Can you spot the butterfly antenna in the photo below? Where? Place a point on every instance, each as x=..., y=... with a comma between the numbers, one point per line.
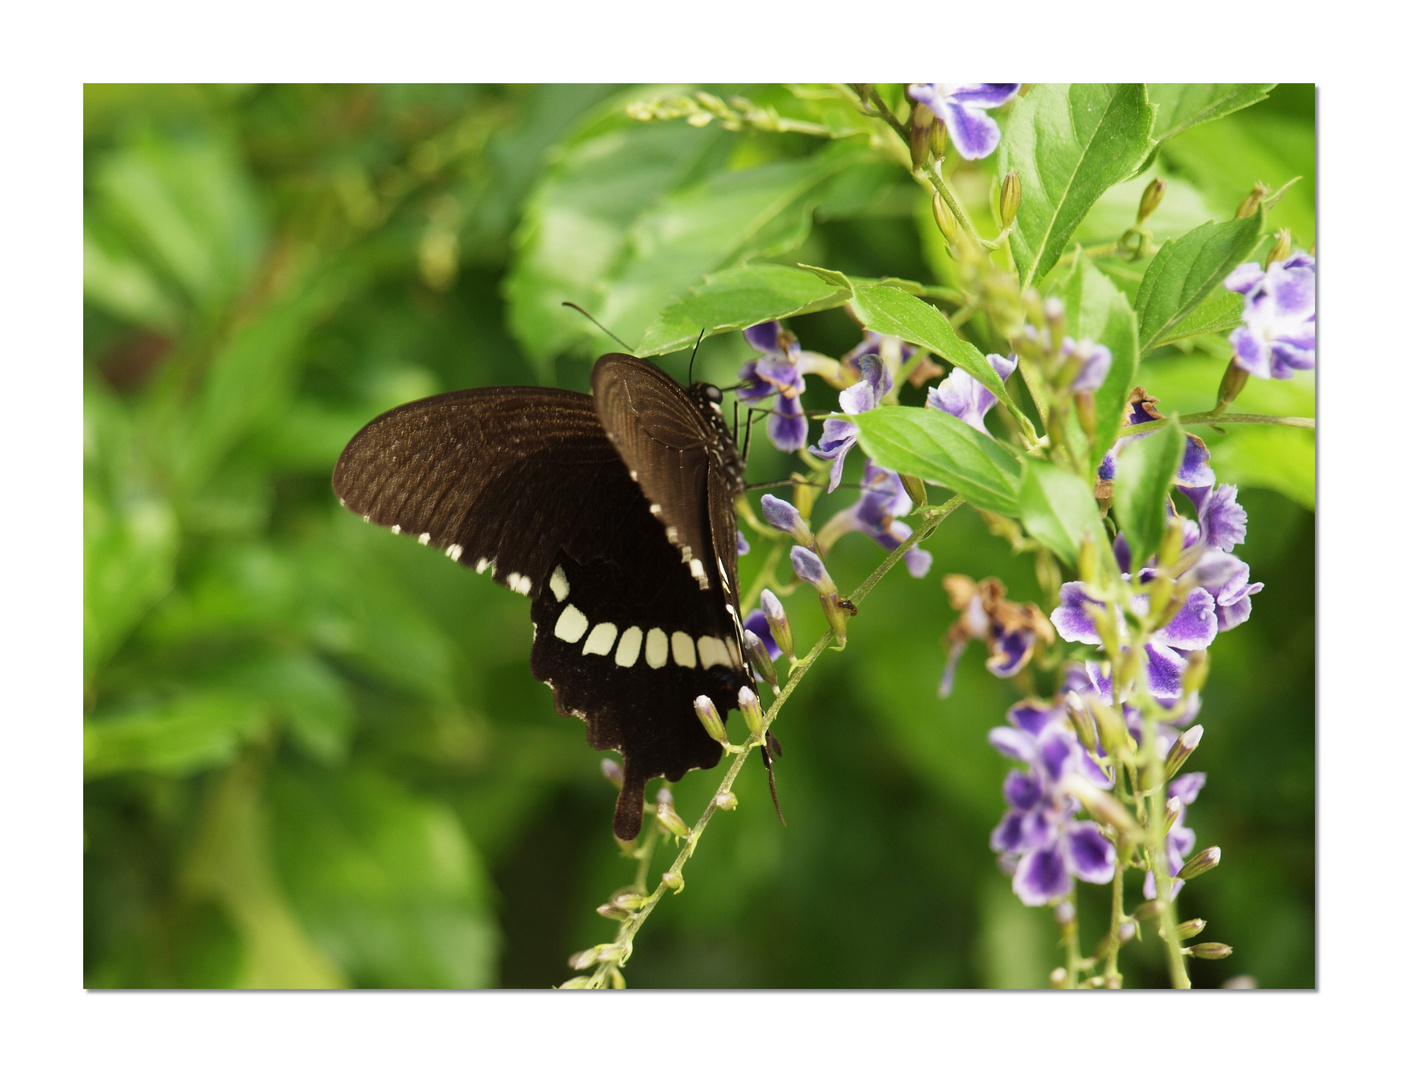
x=747, y=441
x=583, y=311
x=695, y=353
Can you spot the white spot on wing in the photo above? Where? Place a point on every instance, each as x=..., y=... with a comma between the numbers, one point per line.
x=712, y=652
x=454, y=551
x=695, y=567
x=520, y=583
x=600, y=639
x=561, y=588
x=655, y=509
x=735, y=651
x=722, y=573
x=629, y=649
x=395, y=529
x=484, y=564
x=656, y=648
x=672, y=533
x=366, y=517
x=424, y=538
x=684, y=655
x=571, y=624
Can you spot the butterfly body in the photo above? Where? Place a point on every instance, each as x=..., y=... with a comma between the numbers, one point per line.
x=614, y=514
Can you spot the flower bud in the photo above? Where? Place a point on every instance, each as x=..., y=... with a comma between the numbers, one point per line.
x=775, y=616
x=810, y=569
x=782, y=515
x=751, y=709
x=1112, y=728
x=712, y=722
x=942, y=214
x=1059, y=978
x=673, y=879
x=1064, y=915
x=1083, y=722
x=1252, y=201
x=725, y=800
x=612, y=910
x=667, y=817
x=1084, y=408
x=1152, y=909
x=920, y=128
x=1231, y=383
x=1197, y=668
x=1182, y=749
x=582, y=960
x=1100, y=804
x=913, y=485
x=1173, y=812
x=610, y=769
x=1088, y=560
x=1190, y=928
x=754, y=649
x=1010, y=198
x=939, y=139
x=1151, y=199
x=1280, y=251
x=580, y=982
x=1199, y=863
x=1210, y=950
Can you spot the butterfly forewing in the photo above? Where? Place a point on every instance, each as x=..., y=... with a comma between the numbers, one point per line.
x=614, y=515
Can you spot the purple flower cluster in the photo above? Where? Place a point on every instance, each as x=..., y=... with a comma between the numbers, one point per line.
x=1040, y=841
x=776, y=372
x=839, y=436
x=962, y=108
x=1280, y=335
x=1216, y=583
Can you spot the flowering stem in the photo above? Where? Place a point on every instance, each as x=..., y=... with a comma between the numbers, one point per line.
x=607, y=972
x=1156, y=851
x=1211, y=419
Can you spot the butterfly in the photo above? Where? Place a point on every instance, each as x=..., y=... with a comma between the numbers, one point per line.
x=614, y=514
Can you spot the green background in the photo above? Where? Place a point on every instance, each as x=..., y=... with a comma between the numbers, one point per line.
x=314, y=754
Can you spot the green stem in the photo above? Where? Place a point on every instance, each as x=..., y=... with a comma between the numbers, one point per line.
x=607, y=970
x=1209, y=418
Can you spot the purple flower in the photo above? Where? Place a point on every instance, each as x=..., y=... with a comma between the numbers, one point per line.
x=961, y=107
x=1094, y=361
x=1038, y=839
x=962, y=396
x=1010, y=630
x=756, y=622
x=883, y=500
x=1193, y=627
x=839, y=436
x=894, y=352
x=776, y=372
x=1280, y=333
x=1180, y=840
x=1194, y=472
x=742, y=546
x=1227, y=579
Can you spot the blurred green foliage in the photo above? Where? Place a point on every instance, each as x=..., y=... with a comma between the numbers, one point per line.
x=313, y=752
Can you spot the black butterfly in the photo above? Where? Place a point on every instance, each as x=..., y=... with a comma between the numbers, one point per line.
x=614, y=514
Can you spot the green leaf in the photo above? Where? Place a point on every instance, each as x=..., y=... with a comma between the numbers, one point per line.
x=633, y=216
x=736, y=298
x=1145, y=470
x=187, y=205
x=1187, y=270
x=943, y=450
x=888, y=310
x=1058, y=509
x=386, y=882
x=1219, y=312
x=1069, y=144
x=1097, y=309
x=195, y=731
x=1184, y=105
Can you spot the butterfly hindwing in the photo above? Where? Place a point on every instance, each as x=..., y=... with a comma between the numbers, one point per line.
x=535, y=487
